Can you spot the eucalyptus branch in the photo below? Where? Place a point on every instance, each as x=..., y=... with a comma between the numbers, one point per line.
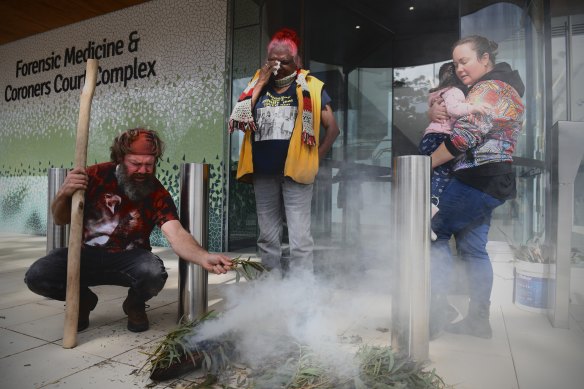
x=248, y=269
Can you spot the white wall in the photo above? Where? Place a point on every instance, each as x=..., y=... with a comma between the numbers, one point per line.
x=174, y=82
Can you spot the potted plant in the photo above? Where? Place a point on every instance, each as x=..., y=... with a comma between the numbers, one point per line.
x=531, y=275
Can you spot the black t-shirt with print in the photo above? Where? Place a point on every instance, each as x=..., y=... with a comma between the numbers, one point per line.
x=114, y=222
x=275, y=115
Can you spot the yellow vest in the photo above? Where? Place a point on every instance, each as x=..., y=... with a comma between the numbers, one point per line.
x=302, y=160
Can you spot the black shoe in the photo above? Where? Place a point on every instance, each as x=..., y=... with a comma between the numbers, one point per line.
x=451, y=313
x=441, y=314
x=473, y=326
x=136, y=311
x=476, y=323
x=87, y=303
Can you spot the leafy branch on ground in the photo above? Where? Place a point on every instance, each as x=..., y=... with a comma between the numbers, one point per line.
x=302, y=368
x=379, y=367
x=174, y=346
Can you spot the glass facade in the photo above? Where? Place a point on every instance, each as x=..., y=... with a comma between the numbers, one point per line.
x=519, y=33
x=567, y=56
x=247, y=52
x=378, y=62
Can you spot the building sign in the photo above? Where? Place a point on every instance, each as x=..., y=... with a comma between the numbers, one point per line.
x=71, y=57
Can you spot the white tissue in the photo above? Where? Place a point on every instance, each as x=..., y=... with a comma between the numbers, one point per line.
x=276, y=68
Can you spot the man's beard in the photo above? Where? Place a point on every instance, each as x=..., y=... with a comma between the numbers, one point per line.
x=134, y=189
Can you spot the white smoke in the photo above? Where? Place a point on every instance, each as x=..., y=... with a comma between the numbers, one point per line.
x=272, y=316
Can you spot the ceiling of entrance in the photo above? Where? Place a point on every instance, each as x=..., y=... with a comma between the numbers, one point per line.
x=23, y=18
x=383, y=33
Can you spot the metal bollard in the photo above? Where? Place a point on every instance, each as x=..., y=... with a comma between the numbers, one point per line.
x=564, y=154
x=411, y=293
x=194, y=216
x=57, y=236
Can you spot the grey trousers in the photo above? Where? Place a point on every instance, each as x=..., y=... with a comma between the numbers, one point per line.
x=280, y=199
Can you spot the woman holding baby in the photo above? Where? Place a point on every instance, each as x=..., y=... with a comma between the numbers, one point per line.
x=481, y=146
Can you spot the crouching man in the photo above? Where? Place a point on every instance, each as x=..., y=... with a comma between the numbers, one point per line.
x=123, y=203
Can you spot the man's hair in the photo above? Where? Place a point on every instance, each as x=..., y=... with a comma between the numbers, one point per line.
x=288, y=38
x=123, y=142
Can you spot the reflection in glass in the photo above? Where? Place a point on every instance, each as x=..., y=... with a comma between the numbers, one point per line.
x=520, y=40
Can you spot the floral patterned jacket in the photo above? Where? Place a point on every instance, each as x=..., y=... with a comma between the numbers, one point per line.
x=483, y=139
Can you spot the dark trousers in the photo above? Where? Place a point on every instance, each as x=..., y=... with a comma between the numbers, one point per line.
x=441, y=175
x=139, y=269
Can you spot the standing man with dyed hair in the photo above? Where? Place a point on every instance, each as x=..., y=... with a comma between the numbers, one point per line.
x=123, y=203
x=281, y=164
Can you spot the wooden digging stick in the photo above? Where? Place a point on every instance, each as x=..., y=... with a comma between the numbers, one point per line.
x=77, y=204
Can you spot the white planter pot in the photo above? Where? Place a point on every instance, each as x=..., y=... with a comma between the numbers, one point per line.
x=531, y=286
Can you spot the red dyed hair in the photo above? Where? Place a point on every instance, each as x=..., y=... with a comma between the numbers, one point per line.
x=286, y=37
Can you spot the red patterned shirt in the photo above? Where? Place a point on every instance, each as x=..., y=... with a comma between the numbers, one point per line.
x=116, y=223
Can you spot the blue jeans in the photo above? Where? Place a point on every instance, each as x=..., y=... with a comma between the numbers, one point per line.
x=465, y=213
x=138, y=269
x=280, y=198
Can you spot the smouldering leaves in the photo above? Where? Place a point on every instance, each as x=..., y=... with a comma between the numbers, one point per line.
x=378, y=368
x=299, y=367
x=173, y=347
x=309, y=372
x=381, y=368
